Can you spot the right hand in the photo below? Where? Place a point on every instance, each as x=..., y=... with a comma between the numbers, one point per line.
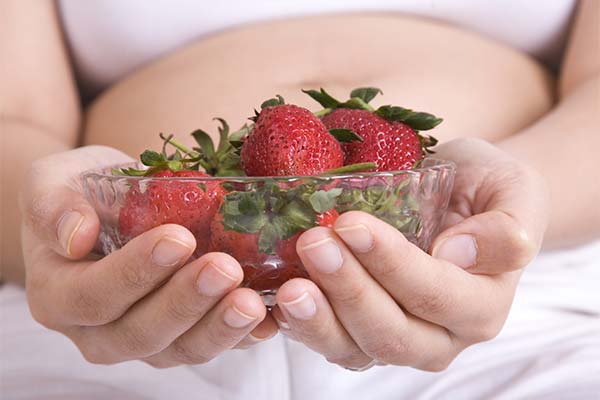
x=140, y=302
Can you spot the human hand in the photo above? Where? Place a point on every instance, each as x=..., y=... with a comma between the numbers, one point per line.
x=377, y=298
x=140, y=302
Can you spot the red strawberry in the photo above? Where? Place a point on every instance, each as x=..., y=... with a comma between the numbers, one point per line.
x=187, y=203
x=391, y=145
x=289, y=140
x=240, y=245
x=388, y=136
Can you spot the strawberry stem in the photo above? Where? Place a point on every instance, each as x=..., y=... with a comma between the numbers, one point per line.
x=365, y=166
x=178, y=145
x=323, y=112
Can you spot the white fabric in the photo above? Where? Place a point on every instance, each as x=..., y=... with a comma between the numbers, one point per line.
x=110, y=38
x=549, y=349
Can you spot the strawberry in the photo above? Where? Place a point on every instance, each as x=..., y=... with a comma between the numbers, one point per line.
x=388, y=136
x=391, y=145
x=191, y=203
x=186, y=203
x=240, y=245
x=289, y=140
x=260, y=229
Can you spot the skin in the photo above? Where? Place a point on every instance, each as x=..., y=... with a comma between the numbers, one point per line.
x=501, y=196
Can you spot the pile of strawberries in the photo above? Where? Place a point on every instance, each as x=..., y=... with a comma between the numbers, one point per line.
x=258, y=221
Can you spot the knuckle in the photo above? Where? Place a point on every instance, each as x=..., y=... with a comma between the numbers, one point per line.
x=349, y=294
x=136, y=278
x=183, y=354
x=386, y=268
x=388, y=351
x=436, y=301
x=519, y=248
x=437, y=365
x=87, y=309
x=486, y=332
x=93, y=350
x=94, y=356
x=221, y=336
x=134, y=341
x=179, y=310
x=40, y=316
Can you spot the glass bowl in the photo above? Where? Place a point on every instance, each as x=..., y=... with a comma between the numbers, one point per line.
x=257, y=220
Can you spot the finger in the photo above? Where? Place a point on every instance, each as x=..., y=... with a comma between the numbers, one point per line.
x=53, y=205
x=282, y=323
x=431, y=289
x=264, y=331
x=508, y=199
x=367, y=312
x=221, y=329
x=158, y=319
x=311, y=318
x=95, y=293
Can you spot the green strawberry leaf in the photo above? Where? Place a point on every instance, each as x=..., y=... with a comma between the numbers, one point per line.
x=324, y=200
x=356, y=103
x=272, y=102
x=298, y=216
x=151, y=158
x=322, y=97
x=224, y=172
x=236, y=139
x=366, y=94
x=175, y=165
x=251, y=205
x=223, y=135
x=345, y=135
x=205, y=142
x=129, y=172
x=365, y=166
x=245, y=223
x=394, y=113
x=267, y=239
x=177, y=156
x=422, y=121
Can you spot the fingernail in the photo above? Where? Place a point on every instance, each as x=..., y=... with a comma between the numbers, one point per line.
x=283, y=324
x=68, y=225
x=460, y=250
x=213, y=281
x=325, y=255
x=358, y=237
x=237, y=319
x=257, y=339
x=304, y=307
x=170, y=251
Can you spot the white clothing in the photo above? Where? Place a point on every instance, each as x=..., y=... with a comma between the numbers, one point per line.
x=549, y=349
x=111, y=38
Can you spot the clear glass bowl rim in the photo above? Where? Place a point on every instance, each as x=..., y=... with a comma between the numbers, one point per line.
x=437, y=165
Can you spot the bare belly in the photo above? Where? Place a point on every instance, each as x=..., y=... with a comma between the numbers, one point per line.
x=481, y=88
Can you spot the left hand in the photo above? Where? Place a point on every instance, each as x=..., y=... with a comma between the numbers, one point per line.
x=377, y=298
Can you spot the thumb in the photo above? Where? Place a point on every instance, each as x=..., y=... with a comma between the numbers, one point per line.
x=490, y=243
x=54, y=208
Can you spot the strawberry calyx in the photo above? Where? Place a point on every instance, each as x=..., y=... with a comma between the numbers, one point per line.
x=360, y=98
x=346, y=169
x=276, y=214
x=223, y=160
x=392, y=204
x=273, y=102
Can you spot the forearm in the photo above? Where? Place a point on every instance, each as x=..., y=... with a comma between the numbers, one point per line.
x=22, y=143
x=563, y=146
